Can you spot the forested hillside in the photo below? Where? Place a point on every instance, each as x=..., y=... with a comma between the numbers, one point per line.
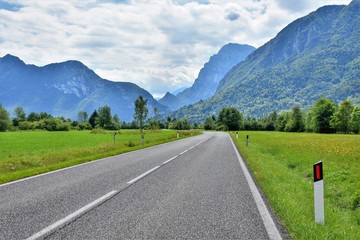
x=315, y=56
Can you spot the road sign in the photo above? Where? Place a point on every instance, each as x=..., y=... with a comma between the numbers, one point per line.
x=319, y=193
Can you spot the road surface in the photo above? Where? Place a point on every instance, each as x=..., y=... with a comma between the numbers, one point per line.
x=193, y=188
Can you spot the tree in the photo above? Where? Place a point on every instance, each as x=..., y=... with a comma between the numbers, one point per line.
x=93, y=119
x=82, y=117
x=141, y=111
x=270, y=121
x=44, y=115
x=116, y=124
x=182, y=124
x=155, y=124
x=282, y=120
x=355, y=119
x=230, y=118
x=321, y=114
x=209, y=124
x=20, y=116
x=5, y=122
x=341, y=120
x=296, y=121
x=104, y=117
x=33, y=117
x=156, y=112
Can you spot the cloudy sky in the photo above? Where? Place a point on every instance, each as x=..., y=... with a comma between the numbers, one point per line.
x=158, y=44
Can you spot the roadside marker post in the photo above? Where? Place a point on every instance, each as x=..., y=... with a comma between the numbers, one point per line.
x=319, y=193
x=237, y=135
x=114, y=134
x=247, y=140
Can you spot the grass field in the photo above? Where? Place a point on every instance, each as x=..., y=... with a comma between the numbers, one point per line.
x=282, y=164
x=28, y=153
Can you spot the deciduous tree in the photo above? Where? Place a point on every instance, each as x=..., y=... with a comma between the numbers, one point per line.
x=341, y=120
x=5, y=122
x=141, y=111
x=321, y=114
x=231, y=118
x=104, y=117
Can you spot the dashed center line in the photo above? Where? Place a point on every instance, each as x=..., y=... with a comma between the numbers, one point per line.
x=142, y=175
x=72, y=216
x=184, y=152
x=170, y=160
x=48, y=230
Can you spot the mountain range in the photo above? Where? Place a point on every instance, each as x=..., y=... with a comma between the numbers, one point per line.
x=315, y=56
x=206, y=83
x=64, y=89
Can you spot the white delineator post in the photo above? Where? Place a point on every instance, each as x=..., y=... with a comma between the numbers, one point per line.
x=319, y=193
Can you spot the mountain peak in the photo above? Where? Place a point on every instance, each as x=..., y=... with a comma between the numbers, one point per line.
x=214, y=70
x=10, y=59
x=64, y=89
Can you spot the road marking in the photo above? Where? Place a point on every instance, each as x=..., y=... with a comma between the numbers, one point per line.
x=91, y=162
x=170, y=160
x=264, y=212
x=183, y=152
x=142, y=175
x=72, y=216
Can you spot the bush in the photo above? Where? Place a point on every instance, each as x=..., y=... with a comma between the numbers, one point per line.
x=26, y=125
x=222, y=128
x=130, y=144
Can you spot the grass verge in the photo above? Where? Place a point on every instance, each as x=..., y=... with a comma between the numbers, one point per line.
x=282, y=164
x=24, y=154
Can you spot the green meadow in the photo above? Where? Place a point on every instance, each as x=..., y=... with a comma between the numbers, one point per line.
x=28, y=153
x=282, y=164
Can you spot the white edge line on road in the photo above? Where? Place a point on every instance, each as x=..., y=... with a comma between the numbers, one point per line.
x=142, y=175
x=91, y=162
x=264, y=212
x=72, y=216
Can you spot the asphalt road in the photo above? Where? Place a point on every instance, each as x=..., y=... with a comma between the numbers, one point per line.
x=193, y=188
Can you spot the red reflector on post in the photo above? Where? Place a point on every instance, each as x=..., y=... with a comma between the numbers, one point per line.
x=318, y=172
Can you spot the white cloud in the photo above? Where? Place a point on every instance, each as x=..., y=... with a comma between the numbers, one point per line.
x=160, y=45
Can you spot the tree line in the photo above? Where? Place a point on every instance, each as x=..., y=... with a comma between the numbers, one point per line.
x=100, y=118
x=323, y=117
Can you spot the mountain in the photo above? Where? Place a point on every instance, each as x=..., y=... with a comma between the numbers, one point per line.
x=177, y=91
x=210, y=75
x=315, y=56
x=64, y=89
x=171, y=101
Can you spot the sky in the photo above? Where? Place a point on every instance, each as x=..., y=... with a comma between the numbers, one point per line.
x=160, y=45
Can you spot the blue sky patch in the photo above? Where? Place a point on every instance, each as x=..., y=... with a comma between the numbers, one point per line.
x=9, y=7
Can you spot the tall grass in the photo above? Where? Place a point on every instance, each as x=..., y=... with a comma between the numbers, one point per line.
x=28, y=153
x=282, y=164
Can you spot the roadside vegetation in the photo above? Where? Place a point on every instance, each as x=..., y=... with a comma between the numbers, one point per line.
x=323, y=117
x=280, y=156
x=38, y=142
x=282, y=165
x=27, y=153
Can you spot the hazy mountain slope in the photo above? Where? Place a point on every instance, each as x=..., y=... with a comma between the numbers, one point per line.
x=210, y=75
x=315, y=56
x=171, y=101
x=64, y=89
